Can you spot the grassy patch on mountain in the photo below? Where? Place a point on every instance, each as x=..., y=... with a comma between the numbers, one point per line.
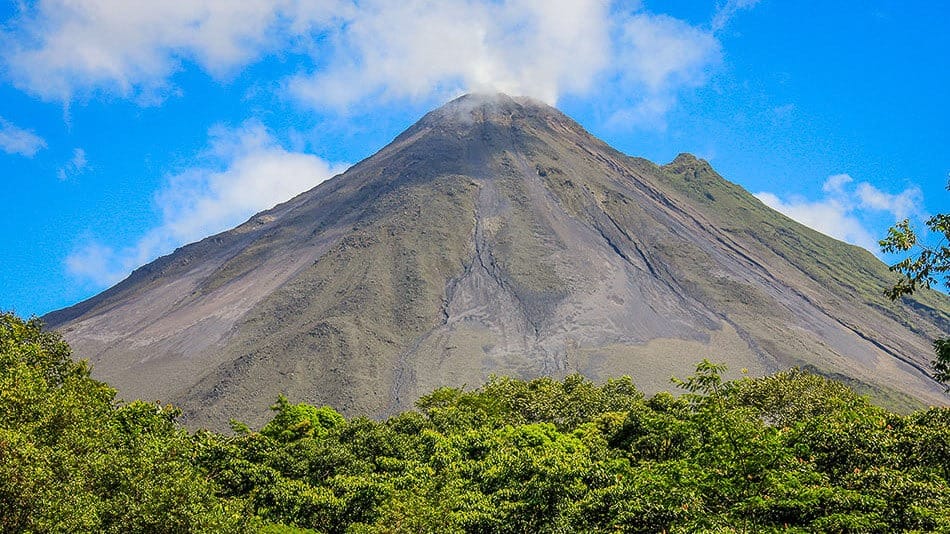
x=851, y=270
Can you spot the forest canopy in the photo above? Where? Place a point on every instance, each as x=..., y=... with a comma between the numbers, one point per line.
x=790, y=452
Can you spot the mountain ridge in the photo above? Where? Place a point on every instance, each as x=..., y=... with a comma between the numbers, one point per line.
x=497, y=235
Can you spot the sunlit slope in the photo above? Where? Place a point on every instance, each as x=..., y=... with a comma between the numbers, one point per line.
x=496, y=236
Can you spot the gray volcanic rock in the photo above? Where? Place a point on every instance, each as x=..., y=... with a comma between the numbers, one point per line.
x=497, y=236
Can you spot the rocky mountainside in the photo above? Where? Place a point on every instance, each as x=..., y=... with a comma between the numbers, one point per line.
x=497, y=236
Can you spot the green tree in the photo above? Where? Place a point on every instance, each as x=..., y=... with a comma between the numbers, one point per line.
x=791, y=452
x=73, y=459
x=296, y=421
x=928, y=265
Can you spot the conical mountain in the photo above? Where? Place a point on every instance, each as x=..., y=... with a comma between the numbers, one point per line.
x=497, y=236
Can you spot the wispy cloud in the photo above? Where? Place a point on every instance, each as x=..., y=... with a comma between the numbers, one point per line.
x=74, y=166
x=16, y=140
x=838, y=213
x=368, y=52
x=727, y=10
x=783, y=116
x=96, y=264
x=243, y=171
x=657, y=57
x=901, y=205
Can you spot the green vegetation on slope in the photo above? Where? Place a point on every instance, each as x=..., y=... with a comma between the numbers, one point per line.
x=790, y=452
x=829, y=262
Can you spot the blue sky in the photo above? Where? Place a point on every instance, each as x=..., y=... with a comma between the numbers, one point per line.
x=130, y=128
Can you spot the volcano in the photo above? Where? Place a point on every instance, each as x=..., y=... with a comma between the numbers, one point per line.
x=497, y=236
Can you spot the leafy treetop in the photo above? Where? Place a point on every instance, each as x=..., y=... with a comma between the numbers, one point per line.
x=927, y=266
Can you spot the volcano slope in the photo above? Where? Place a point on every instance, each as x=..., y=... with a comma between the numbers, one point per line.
x=497, y=236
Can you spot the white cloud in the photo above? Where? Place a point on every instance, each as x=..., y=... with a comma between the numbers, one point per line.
x=75, y=165
x=15, y=140
x=835, y=184
x=364, y=52
x=411, y=49
x=840, y=213
x=59, y=47
x=250, y=172
x=537, y=48
x=245, y=171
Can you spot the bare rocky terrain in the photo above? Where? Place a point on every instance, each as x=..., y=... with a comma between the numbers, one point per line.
x=497, y=236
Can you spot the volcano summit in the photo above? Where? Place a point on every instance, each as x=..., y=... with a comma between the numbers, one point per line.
x=497, y=236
